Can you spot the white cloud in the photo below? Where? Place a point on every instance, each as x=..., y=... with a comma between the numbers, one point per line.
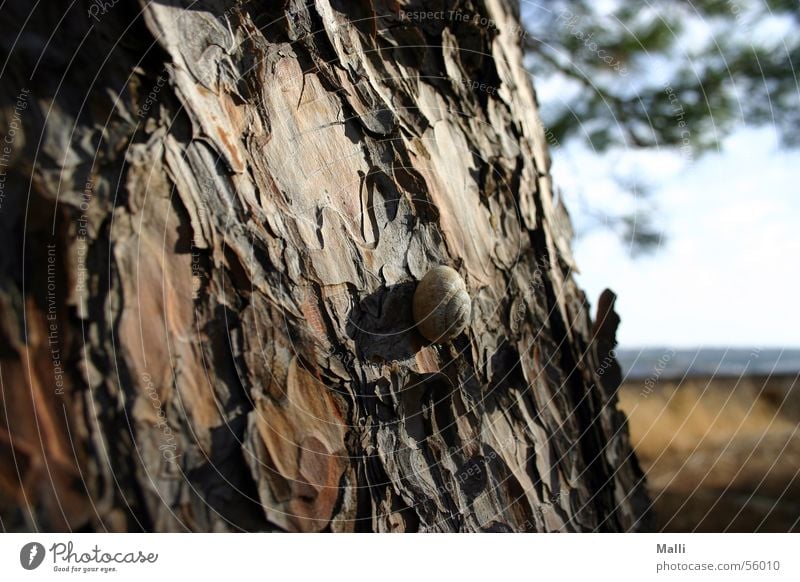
x=729, y=274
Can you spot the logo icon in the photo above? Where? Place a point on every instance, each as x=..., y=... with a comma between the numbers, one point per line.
x=31, y=555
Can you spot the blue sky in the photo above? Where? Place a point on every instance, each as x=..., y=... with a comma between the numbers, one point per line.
x=729, y=273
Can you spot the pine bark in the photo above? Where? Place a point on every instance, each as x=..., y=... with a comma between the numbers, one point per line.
x=214, y=218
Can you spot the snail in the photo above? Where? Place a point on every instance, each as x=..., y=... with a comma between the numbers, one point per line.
x=441, y=304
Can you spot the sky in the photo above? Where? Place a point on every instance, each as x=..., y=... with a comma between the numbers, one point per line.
x=728, y=273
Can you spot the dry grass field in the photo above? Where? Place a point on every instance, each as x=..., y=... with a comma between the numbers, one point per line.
x=721, y=453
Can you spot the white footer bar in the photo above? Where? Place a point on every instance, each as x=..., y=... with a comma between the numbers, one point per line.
x=398, y=557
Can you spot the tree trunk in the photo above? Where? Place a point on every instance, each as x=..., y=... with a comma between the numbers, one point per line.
x=213, y=221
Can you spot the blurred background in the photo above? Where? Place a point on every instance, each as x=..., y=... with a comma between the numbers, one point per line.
x=673, y=127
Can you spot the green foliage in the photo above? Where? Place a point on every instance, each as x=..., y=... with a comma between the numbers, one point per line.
x=674, y=74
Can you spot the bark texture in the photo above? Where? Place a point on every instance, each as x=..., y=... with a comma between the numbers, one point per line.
x=214, y=218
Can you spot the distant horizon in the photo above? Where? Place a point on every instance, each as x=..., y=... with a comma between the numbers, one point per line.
x=706, y=347
x=671, y=362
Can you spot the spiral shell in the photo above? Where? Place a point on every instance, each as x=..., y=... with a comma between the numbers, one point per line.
x=442, y=306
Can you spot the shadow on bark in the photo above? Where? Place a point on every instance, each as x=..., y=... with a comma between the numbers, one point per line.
x=382, y=325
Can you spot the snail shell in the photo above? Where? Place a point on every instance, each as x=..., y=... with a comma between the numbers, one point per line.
x=442, y=306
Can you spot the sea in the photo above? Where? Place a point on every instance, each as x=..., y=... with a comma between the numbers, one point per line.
x=669, y=363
